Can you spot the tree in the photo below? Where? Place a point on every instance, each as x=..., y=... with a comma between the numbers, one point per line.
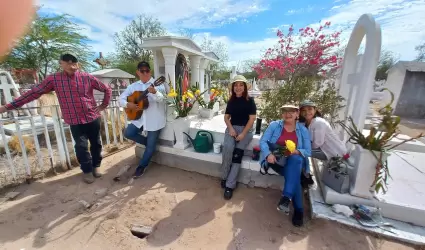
x=421, y=52
x=128, y=66
x=315, y=53
x=247, y=68
x=48, y=37
x=386, y=61
x=220, y=49
x=128, y=42
x=304, y=65
x=188, y=33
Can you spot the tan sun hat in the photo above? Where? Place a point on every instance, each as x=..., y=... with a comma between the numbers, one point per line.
x=239, y=78
x=289, y=106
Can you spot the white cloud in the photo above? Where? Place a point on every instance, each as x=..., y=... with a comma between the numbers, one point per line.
x=402, y=22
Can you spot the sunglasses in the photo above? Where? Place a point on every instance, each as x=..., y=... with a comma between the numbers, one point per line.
x=289, y=110
x=144, y=71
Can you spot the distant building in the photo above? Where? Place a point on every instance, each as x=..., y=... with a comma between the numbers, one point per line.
x=407, y=81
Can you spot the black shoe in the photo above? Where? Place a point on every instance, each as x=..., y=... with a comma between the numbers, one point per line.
x=228, y=193
x=139, y=172
x=223, y=183
x=306, y=181
x=284, y=205
x=298, y=219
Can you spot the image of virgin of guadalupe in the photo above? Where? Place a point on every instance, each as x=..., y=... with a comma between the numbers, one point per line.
x=182, y=72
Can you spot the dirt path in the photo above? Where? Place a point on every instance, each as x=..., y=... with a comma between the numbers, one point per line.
x=187, y=210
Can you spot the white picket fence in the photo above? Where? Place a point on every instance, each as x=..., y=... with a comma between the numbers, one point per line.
x=14, y=165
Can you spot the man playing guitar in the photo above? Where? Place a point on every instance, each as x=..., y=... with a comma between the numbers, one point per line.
x=153, y=118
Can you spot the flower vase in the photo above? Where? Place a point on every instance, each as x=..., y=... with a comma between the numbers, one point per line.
x=206, y=113
x=180, y=125
x=195, y=109
x=171, y=113
x=363, y=174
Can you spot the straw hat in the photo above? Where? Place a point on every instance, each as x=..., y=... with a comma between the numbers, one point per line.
x=289, y=106
x=240, y=78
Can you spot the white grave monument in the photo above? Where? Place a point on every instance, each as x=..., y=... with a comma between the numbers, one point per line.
x=403, y=202
x=165, y=52
x=358, y=72
x=8, y=86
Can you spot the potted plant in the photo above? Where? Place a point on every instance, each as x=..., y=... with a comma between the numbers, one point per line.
x=207, y=108
x=371, y=170
x=182, y=103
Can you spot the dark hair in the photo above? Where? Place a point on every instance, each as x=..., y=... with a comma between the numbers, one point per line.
x=244, y=94
x=316, y=114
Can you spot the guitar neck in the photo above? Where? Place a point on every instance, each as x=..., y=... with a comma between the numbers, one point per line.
x=144, y=93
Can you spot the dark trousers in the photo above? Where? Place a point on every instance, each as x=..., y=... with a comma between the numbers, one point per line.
x=82, y=134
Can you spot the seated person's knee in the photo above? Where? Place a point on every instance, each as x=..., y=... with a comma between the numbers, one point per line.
x=296, y=158
x=237, y=155
x=129, y=133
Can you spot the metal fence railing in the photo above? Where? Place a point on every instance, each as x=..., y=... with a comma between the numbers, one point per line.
x=36, y=144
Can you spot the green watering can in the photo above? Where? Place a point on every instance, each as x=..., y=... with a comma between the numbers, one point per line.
x=203, y=141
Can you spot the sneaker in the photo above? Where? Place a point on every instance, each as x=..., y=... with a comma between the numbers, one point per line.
x=223, y=183
x=298, y=219
x=284, y=205
x=96, y=173
x=139, y=172
x=88, y=178
x=228, y=193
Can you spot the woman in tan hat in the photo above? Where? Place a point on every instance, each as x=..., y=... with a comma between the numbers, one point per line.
x=286, y=133
x=239, y=118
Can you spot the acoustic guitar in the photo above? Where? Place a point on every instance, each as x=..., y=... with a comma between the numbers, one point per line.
x=140, y=98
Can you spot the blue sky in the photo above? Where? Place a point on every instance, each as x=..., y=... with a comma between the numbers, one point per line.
x=248, y=27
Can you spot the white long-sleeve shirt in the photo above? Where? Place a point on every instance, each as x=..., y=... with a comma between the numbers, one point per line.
x=324, y=137
x=154, y=117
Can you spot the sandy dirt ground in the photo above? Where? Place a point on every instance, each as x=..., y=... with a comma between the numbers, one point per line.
x=186, y=210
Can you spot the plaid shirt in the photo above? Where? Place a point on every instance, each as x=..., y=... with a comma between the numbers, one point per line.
x=75, y=96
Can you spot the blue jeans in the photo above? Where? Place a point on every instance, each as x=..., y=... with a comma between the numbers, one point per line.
x=292, y=188
x=133, y=133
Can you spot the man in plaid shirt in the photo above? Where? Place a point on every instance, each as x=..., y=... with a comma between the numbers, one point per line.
x=74, y=90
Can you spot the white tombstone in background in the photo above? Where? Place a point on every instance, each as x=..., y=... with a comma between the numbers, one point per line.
x=356, y=85
x=7, y=85
x=254, y=85
x=233, y=73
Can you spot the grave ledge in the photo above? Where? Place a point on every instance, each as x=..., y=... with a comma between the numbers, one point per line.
x=210, y=164
x=403, y=231
x=402, y=216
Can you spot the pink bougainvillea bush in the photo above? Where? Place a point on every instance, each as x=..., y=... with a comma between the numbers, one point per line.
x=304, y=60
x=309, y=52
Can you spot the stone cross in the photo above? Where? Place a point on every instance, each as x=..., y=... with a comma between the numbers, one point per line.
x=359, y=71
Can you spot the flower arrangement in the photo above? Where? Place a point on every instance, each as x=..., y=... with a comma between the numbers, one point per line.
x=182, y=101
x=377, y=141
x=215, y=94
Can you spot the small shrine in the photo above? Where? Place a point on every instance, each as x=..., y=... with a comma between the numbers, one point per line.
x=170, y=55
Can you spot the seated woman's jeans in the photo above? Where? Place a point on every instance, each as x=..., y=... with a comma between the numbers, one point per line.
x=292, y=172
